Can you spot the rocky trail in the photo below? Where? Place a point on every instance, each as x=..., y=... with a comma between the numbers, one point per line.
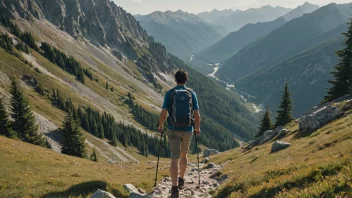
x=210, y=179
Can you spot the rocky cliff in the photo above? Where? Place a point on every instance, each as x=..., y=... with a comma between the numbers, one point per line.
x=100, y=21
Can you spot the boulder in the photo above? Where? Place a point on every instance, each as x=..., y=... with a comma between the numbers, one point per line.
x=205, y=160
x=223, y=178
x=139, y=195
x=102, y=194
x=135, y=193
x=269, y=135
x=130, y=188
x=322, y=116
x=212, y=165
x=279, y=145
x=210, y=152
x=347, y=106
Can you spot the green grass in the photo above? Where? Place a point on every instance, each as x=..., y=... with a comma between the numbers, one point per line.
x=315, y=166
x=32, y=171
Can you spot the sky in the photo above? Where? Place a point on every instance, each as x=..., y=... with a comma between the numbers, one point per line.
x=197, y=6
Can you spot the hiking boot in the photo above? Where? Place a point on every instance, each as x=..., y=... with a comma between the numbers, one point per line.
x=174, y=192
x=181, y=183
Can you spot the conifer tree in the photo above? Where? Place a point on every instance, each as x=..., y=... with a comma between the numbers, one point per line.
x=101, y=131
x=114, y=137
x=24, y=120
x=107, y=85
x=342, y=83
x=73, y=139
x=93, y=156
x=284, y=114
x=4, y=119
x=266, y=123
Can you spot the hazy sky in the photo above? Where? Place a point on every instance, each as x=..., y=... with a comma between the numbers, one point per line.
x=196, y=6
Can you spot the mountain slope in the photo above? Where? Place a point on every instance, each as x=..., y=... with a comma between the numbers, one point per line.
x=110, y=73
x=182, y=33
x=239, y=19
x=224, y=49
x=293, y=37
x=293, y=172
x=307, y=74
x=300, y=11
x=215, y=14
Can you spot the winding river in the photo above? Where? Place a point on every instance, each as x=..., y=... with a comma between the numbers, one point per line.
x=228, y=86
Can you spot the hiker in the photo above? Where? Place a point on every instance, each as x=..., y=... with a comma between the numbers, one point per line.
x=182, y=106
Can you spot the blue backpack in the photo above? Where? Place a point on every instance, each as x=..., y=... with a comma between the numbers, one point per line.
x=181, y=108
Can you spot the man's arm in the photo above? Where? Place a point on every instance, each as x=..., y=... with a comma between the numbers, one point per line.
x=162, y=119
x=197, y=121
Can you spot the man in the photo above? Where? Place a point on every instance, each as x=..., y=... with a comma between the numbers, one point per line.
x=182, y=105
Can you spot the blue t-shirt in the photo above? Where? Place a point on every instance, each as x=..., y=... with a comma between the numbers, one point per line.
x=166, y=105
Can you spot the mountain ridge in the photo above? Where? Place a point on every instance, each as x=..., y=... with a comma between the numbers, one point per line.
x=182, y=33
x=264, y=14
x=265, y=52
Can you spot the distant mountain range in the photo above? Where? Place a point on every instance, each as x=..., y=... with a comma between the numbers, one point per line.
x=307, y=74
x=182, y=33
x=224, y=49
x=300, y=52
x=239, y=19
x=215, y=14
x=300, y=11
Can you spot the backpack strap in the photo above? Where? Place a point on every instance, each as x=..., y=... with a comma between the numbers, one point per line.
x=171, y=99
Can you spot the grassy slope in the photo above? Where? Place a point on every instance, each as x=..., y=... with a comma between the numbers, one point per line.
x=312, y=167
x=32, y=171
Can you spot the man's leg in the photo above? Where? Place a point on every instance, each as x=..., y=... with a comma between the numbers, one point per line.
x=183, y=164
x=186, y=139
x=175, y=145
x=174, y=171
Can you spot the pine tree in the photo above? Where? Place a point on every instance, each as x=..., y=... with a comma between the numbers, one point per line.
x=266, y=123
x=93, y=156
x=107, y=85
x=342, y=84
x=284, y=114
x=24, y=120
x=73, y=139
x=4, y=119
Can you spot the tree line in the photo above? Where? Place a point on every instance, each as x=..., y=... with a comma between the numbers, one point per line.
x=144, y=117
x=103, y=125
x=27, y=41
x=67, y=63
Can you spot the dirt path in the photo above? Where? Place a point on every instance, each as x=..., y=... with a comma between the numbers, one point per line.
x=209, y=182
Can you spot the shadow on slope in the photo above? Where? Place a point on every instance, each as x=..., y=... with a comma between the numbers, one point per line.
x=84, y=189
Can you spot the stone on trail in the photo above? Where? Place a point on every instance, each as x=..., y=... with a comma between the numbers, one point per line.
x=102, y=194
x=130, y=188
x=205, y=160
x=212, y=165
x=279, y=145
x=138, y=195
x=191, y=189
x=210, y=152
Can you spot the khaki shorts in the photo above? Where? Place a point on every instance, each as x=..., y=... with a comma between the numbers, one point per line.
x=179, y=142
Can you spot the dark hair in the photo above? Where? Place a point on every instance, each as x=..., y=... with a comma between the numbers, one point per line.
x=181, y=76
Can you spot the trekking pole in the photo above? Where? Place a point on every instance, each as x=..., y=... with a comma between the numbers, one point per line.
x=197, y=138
x=157, y=166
